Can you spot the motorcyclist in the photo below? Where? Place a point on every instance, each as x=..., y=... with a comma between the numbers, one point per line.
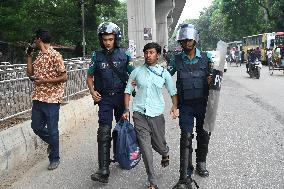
x=237, y=55
x=251, y=55
x=251, y=58
x=257, y=53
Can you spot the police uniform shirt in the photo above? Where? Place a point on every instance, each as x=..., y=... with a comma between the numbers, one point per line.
x=186, y=60
x=92, y=68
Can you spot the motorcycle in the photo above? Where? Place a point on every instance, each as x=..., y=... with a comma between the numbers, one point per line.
x=254, y=69
x=234, y=59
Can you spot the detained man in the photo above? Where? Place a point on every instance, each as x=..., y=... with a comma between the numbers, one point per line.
x=148, y=107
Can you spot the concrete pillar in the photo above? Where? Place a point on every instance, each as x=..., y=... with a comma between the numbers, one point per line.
x=163, y=8
x=175, y=13
x=170, y=21
x=154, y=15
x=141, y=14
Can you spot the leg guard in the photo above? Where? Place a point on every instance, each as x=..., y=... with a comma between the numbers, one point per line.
x=185, y=161
x=185, y=154
x=202, y=138
x=104, y=145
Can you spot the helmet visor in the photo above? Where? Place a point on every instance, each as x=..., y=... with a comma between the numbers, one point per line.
x=187, y=33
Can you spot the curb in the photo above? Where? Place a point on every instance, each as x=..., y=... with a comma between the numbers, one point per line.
x=19, y=143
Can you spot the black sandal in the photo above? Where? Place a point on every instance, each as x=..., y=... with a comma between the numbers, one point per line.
x=165, y=161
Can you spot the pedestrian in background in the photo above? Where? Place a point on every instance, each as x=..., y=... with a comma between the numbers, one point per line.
x=165, y=52
x=106, y=80
x=48, y=75
x=242, y=57
x=148, y=107
x=194, y=70
x=268, y=56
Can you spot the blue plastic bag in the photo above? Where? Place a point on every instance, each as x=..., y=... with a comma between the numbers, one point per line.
x=125, y=146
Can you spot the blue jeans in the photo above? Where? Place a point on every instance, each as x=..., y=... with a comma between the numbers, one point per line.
x=45, y=117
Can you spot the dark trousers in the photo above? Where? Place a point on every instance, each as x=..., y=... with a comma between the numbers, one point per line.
x=186, y=122
x=108, y=106
x=45, y=117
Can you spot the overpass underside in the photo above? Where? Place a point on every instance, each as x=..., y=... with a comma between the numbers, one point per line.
x=152, y=21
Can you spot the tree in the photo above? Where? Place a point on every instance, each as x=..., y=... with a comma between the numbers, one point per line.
x=260, y=15
x=20, y=18
x=230, y=20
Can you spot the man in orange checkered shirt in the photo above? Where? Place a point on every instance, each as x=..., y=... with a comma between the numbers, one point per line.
x=48, y=75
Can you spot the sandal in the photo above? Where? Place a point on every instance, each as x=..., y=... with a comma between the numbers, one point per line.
x=165, y=161
x=153, y=187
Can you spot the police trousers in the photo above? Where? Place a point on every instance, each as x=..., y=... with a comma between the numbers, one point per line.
x=186, y=122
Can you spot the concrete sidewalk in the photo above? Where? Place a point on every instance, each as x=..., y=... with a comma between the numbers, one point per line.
x=19, y=146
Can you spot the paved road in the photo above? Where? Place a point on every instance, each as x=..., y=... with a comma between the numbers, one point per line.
x=246, y=148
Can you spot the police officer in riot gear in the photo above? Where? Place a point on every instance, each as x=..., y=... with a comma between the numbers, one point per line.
x=106, y=81
x=194, y=70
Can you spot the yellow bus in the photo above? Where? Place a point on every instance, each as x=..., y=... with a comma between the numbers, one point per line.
x=263, y=41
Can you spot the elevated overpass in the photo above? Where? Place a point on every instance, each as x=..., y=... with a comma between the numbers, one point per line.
x=152, y=21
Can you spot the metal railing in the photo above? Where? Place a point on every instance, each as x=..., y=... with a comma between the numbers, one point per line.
x=15, y=71
x=16, y=88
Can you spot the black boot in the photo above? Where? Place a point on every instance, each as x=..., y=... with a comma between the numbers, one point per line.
x=185, y=161
x=202, y=138
x=104, y=144
x=201, y=169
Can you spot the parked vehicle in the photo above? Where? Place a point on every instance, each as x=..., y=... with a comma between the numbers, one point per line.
x=277, y=59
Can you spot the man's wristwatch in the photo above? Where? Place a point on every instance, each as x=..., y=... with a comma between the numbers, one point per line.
x=126, y=110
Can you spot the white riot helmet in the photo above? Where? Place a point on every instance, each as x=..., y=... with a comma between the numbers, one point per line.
x=187, y=31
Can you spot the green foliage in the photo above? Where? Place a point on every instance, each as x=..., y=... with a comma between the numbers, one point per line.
x=230, y=20
x=121, y=20
x=20, y=18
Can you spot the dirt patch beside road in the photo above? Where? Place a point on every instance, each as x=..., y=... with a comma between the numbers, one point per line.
x=14, y=121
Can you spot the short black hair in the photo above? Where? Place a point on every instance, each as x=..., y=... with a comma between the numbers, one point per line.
x=153, y=45
x=44, y=35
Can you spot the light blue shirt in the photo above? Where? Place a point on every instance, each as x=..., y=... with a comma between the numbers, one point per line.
x=149, y=99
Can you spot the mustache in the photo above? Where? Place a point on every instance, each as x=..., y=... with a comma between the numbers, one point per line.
x=188, y=49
